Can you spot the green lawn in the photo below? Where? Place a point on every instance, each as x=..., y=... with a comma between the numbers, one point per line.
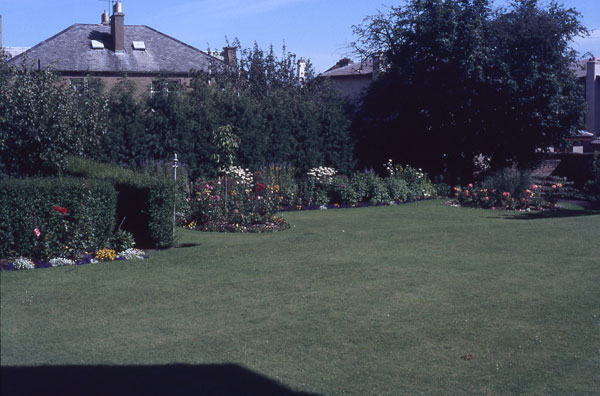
x=375, y=301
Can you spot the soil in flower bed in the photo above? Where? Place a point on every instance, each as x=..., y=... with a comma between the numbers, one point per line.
x=278, y=224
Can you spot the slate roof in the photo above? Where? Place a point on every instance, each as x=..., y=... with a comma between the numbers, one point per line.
x=353, y=69
x=14, y=51
x=71, y=51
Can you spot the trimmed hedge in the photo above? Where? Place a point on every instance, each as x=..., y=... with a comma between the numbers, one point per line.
x=71, y=215
x=144, y=201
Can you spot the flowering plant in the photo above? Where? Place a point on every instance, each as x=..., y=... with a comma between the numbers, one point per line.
x=235, y=202
x=106, y=255
x=532, y=198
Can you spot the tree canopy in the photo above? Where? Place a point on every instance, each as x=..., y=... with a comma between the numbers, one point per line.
x=462, y=81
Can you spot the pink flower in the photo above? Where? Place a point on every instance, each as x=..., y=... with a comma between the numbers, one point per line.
x=37, y=232
x=218, y=197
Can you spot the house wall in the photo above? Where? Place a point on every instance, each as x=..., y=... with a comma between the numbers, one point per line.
x=142, y=83
x=592, y=96
x=351, y=87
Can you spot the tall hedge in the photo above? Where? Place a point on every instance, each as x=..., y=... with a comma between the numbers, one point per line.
x=144, y=204
x=70, y=215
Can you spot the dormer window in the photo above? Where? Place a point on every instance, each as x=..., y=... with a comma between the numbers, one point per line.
x=139, y=46
x=97, y=44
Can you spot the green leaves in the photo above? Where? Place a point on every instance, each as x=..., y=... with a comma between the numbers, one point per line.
x=465, y=82
x=44, y=120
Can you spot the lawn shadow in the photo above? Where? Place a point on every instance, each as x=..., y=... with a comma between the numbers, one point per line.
x=554, y=214
x=187, y=245
x=179, y=379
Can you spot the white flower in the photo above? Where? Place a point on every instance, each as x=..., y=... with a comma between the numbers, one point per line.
x=23, y=263
x=130, y=254
x=60, y=261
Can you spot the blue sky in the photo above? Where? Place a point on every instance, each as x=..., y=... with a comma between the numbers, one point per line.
x=315, y=29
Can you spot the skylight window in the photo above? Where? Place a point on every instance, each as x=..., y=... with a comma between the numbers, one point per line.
x=139, y=46
x=97, y=44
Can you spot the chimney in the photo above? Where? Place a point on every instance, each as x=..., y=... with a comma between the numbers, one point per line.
x=344, y=62
x=301, y=70
x=230, y=56
x=105, y=18
x=592, y=93
x=117, y=28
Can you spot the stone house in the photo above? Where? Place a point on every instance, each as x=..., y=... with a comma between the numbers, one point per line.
x=350, y=78
x=588, y=77
x=111, y=50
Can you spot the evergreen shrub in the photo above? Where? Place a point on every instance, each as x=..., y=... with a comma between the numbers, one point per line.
x=144, y=201
x=55, y=217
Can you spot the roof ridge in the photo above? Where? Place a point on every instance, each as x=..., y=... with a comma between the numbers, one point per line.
x=179, y=41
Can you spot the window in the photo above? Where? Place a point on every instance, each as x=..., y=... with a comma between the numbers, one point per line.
x=139, y=46
x=82, y=85
x=165, y=86
x=77, y=84
x=97, y=44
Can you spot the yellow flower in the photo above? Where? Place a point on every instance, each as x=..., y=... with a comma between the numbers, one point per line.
x=106, y=255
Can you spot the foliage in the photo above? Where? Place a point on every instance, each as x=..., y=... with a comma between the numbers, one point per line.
x=460, y=81
x=592, y=186
x=514, y=181
x=145, y=202
x=122, y=240
x=42, y=121
x=260, y=109
x=55, y=217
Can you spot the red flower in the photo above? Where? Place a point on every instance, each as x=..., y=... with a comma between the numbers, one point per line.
x=63, y=210
x=56, y=208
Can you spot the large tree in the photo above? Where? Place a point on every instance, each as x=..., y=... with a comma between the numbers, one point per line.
x=462, y=81
x=43, y=120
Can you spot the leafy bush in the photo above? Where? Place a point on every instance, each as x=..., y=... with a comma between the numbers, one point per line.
x=55, y=217
x=145, y=202
x=514, y=181
x=418, y=182
x=43, y=121
x=122, y=240
x=368, y=187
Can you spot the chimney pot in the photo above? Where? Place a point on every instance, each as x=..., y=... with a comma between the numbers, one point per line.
x=117, y=7
x=105, y=18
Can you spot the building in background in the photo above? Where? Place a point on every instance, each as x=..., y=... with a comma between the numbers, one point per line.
x=111, y=50
x=350, y=78
x=588, y=76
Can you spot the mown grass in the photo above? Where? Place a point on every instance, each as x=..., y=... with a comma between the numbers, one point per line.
x=378, y=301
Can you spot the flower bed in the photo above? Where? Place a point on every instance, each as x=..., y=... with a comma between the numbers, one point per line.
x=533, y=198
x=22, y=263
x=242, y=201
